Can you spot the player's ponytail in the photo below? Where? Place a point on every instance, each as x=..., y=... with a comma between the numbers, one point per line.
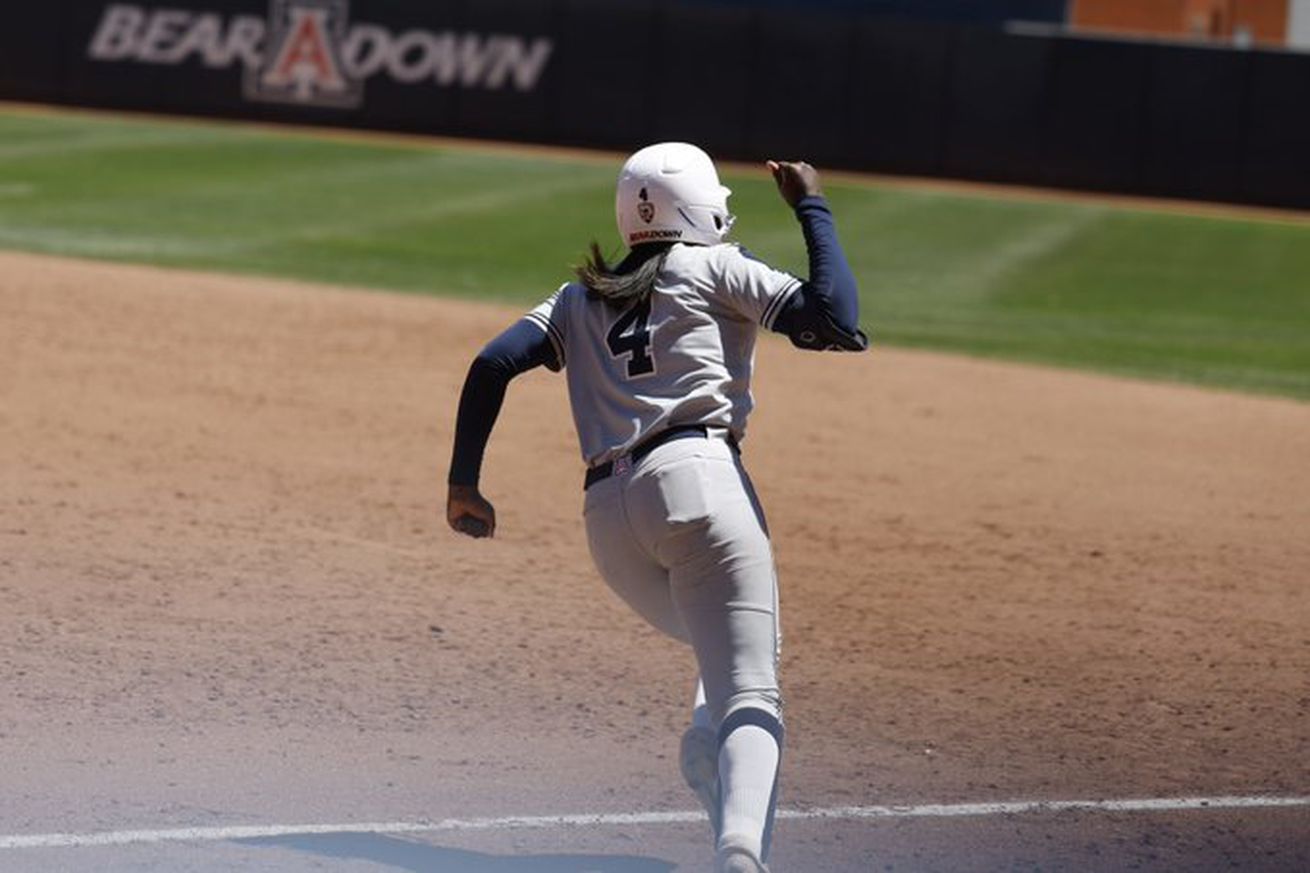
x=629, y=281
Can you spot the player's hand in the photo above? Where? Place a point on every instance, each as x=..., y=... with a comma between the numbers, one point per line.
x=469, y=513
x=796, y=180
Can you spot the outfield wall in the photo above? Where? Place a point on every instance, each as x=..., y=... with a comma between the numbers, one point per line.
x=915, y=97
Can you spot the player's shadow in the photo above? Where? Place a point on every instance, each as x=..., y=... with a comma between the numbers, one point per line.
x=409, y=854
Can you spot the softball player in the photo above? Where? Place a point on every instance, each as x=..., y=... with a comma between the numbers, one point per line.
x=658, y=350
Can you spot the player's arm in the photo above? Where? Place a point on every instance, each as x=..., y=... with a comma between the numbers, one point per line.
x=824, y=313
x=520, y=348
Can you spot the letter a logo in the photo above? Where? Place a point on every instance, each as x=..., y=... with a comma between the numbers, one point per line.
x=304, y=63
x=302, y=59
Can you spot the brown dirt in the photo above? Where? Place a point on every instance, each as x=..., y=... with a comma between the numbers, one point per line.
x=226, y=588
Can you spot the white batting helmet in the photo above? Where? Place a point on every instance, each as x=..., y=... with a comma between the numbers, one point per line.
x=670, y=192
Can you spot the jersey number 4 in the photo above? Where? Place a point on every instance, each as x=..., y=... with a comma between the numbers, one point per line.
x=630, y=336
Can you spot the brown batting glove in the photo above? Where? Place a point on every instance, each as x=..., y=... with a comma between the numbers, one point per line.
x=469, y=513
x=796, y=180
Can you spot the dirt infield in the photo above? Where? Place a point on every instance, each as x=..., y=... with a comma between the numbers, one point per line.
x=228, y=593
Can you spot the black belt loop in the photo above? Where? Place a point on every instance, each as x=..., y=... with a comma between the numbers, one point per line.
x=605, y=470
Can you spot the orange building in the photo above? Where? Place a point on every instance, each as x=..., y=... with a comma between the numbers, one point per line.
x=1246, y=22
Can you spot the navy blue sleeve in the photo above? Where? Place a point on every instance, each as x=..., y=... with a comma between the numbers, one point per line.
x=825, y=312
x=520, y=348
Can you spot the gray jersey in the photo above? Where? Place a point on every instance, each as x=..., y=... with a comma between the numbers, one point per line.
x=682, y=358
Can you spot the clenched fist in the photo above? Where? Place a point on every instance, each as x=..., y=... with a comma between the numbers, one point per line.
x=796, y=180
x=468, y=512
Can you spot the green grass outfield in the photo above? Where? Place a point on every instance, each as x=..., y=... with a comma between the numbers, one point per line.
x=1222, y=301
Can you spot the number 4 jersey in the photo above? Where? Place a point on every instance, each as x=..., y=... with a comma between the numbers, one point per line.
x=682, y=357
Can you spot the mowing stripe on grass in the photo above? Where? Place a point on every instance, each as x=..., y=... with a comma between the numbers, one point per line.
x=1218, y=301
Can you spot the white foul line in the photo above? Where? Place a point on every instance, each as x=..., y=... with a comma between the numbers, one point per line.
x=836, y=813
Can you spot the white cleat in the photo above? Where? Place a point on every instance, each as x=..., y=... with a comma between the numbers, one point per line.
x=735, y=859
x=700, y=768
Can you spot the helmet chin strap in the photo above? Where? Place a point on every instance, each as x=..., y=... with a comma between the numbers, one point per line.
x=722, y=221
x=723, y=224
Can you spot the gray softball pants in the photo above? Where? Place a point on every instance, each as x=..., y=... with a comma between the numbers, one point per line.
x=681, y=538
